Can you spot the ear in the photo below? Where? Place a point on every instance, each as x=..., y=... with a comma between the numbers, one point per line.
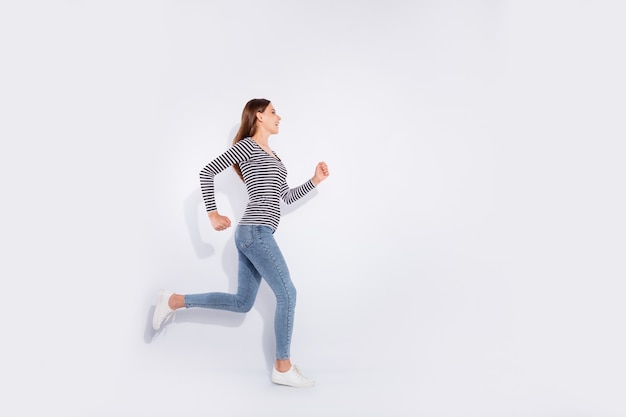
x=259, y=116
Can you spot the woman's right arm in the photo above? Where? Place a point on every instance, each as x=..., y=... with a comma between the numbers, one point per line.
x=238, y=153
x=218, y=221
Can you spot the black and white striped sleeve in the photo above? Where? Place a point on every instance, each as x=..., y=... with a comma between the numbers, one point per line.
x=238, y=153
x=290, y=195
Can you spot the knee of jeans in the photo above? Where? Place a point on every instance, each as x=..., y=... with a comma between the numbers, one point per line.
x=245, y=306
x=291, y=294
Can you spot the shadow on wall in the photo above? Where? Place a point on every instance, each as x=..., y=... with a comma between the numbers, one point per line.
x=232, y=187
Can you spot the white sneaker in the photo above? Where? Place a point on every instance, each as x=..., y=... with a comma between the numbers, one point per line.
x=162, y=311
x=292, y=378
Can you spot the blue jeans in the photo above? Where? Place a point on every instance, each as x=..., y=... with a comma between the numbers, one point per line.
x=259, y=256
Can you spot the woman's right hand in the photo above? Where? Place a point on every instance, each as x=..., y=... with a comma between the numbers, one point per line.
x=218, y=221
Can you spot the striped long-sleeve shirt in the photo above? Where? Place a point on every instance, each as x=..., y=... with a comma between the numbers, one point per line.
x=265, y=178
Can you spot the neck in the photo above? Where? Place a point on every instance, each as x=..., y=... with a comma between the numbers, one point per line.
x=261, y=136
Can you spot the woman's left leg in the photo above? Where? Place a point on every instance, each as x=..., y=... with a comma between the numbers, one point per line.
x=269, y=261
x=267, y=258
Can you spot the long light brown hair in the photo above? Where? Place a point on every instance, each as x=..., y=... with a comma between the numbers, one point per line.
x=248, y=123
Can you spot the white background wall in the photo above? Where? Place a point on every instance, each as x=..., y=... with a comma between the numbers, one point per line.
x=465, y=258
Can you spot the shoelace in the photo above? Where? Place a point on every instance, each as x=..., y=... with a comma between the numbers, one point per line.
x=296, y=371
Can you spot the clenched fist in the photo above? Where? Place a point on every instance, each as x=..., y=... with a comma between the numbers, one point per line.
x=321, y=173
x=218, y=221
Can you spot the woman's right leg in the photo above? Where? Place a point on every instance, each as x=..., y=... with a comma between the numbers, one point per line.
x=249, y=280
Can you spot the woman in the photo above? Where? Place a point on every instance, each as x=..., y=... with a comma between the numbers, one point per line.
x=259, y=256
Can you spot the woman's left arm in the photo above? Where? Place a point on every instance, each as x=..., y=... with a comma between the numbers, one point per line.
x=290, y=195
x=321, y=173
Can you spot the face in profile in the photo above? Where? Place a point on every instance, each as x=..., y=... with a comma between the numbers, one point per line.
x=269, y=119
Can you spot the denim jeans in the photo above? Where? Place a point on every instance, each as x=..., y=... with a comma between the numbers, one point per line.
x=259, y=256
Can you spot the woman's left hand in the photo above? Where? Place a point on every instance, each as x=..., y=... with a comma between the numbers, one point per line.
x=321, y=173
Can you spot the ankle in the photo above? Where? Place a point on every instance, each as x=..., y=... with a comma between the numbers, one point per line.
x=282, y=365
x=176, y=301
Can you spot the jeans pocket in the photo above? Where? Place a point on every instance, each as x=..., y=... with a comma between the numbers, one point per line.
x=244, y=237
